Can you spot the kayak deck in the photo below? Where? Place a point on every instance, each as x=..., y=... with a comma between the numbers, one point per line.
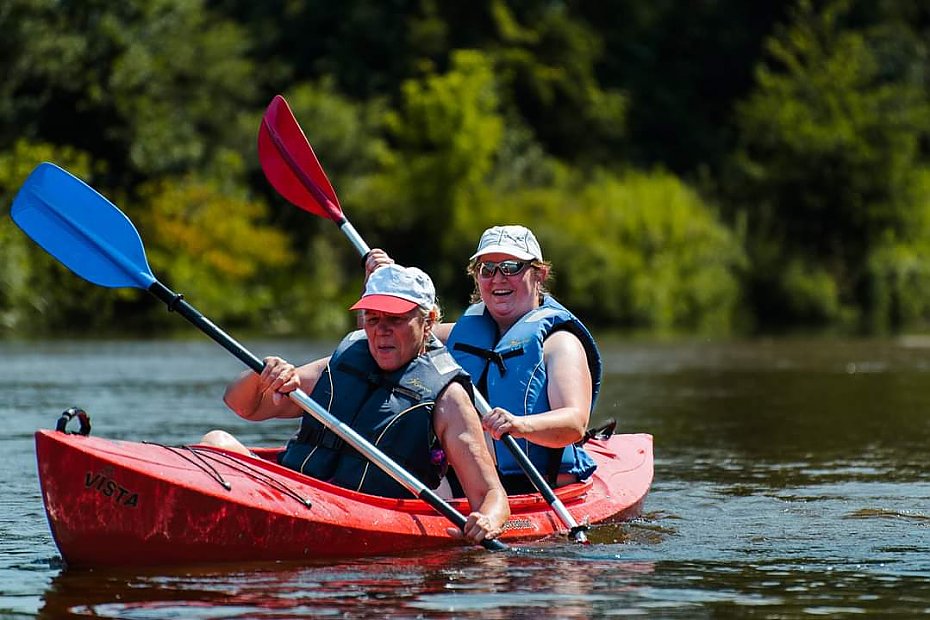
x=122, y=503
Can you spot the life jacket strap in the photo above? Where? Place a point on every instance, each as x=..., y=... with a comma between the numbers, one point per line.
x=377, y=380
x=489, y=355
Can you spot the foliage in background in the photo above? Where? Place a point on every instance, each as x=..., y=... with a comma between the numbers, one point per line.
x=212, y=246
x=444, y=136
x=702, y=168
x=150, y=87
x=36, y=291
x=830, y=168
x=641, y=251
x=682, y=68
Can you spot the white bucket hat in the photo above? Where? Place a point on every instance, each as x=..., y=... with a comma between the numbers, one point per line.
x=518, y=241
x=397, y=290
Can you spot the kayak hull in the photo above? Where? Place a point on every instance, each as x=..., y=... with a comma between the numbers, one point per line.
x=122, y=503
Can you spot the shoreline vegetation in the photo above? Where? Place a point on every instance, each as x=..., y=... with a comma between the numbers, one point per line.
x=723, y=171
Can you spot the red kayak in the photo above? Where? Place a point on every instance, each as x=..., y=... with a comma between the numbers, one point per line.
x=122, y=503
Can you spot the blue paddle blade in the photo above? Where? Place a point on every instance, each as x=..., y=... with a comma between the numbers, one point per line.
x=81, y=228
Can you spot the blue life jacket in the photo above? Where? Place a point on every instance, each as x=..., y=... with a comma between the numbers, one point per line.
x=392, y=410
x=511, y=371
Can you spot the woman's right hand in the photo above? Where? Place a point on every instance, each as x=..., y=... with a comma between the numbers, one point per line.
x=376, y=258
x=499, y=421
x=278, y=378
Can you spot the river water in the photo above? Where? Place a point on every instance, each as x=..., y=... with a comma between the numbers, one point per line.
x=791, y=480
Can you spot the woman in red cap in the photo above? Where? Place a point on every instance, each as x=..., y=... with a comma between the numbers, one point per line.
x=394, y=384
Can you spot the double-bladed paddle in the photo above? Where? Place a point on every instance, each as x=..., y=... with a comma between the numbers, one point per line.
x=90, y=236
x=293, y=169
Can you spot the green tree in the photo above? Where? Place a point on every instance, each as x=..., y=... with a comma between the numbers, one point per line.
x=37, y=294
x=369, y=48
x=151, y=92
x=544, y=57
x=682, y=67
x=546, y=60
x=151, y=87
x=829, y=167
x=445, y=138
x=211, y=244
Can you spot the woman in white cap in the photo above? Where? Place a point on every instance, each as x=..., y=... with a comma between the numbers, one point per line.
x=534, y=360
x=395, y=385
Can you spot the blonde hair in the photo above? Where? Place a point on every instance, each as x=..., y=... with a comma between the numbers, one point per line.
x=472, y=270
x=433, y=315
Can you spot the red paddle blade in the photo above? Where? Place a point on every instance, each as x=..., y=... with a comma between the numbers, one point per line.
x=291, y=166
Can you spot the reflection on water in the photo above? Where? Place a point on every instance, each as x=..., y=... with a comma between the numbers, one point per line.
x=447, y=584
x=791, y=480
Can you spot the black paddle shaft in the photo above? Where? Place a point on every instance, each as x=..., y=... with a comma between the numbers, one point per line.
x=176, y=303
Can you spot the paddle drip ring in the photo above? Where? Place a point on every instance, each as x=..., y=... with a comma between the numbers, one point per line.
x=66, y=417
x=577, y=533
x=173, y=304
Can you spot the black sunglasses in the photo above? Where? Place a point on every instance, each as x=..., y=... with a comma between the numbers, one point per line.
x=487, y=268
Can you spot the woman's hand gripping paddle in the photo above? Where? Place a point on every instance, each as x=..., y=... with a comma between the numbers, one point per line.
x=94, y=239
x=294, y=171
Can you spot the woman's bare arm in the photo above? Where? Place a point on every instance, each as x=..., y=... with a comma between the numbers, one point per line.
x=261, y=397
x=570, y=390
x=458, y=428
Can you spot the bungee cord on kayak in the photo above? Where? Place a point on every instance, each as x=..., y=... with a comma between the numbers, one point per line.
x=204, y=453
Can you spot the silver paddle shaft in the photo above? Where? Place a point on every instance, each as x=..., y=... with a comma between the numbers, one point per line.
x=484, y=408
x=349, y=231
